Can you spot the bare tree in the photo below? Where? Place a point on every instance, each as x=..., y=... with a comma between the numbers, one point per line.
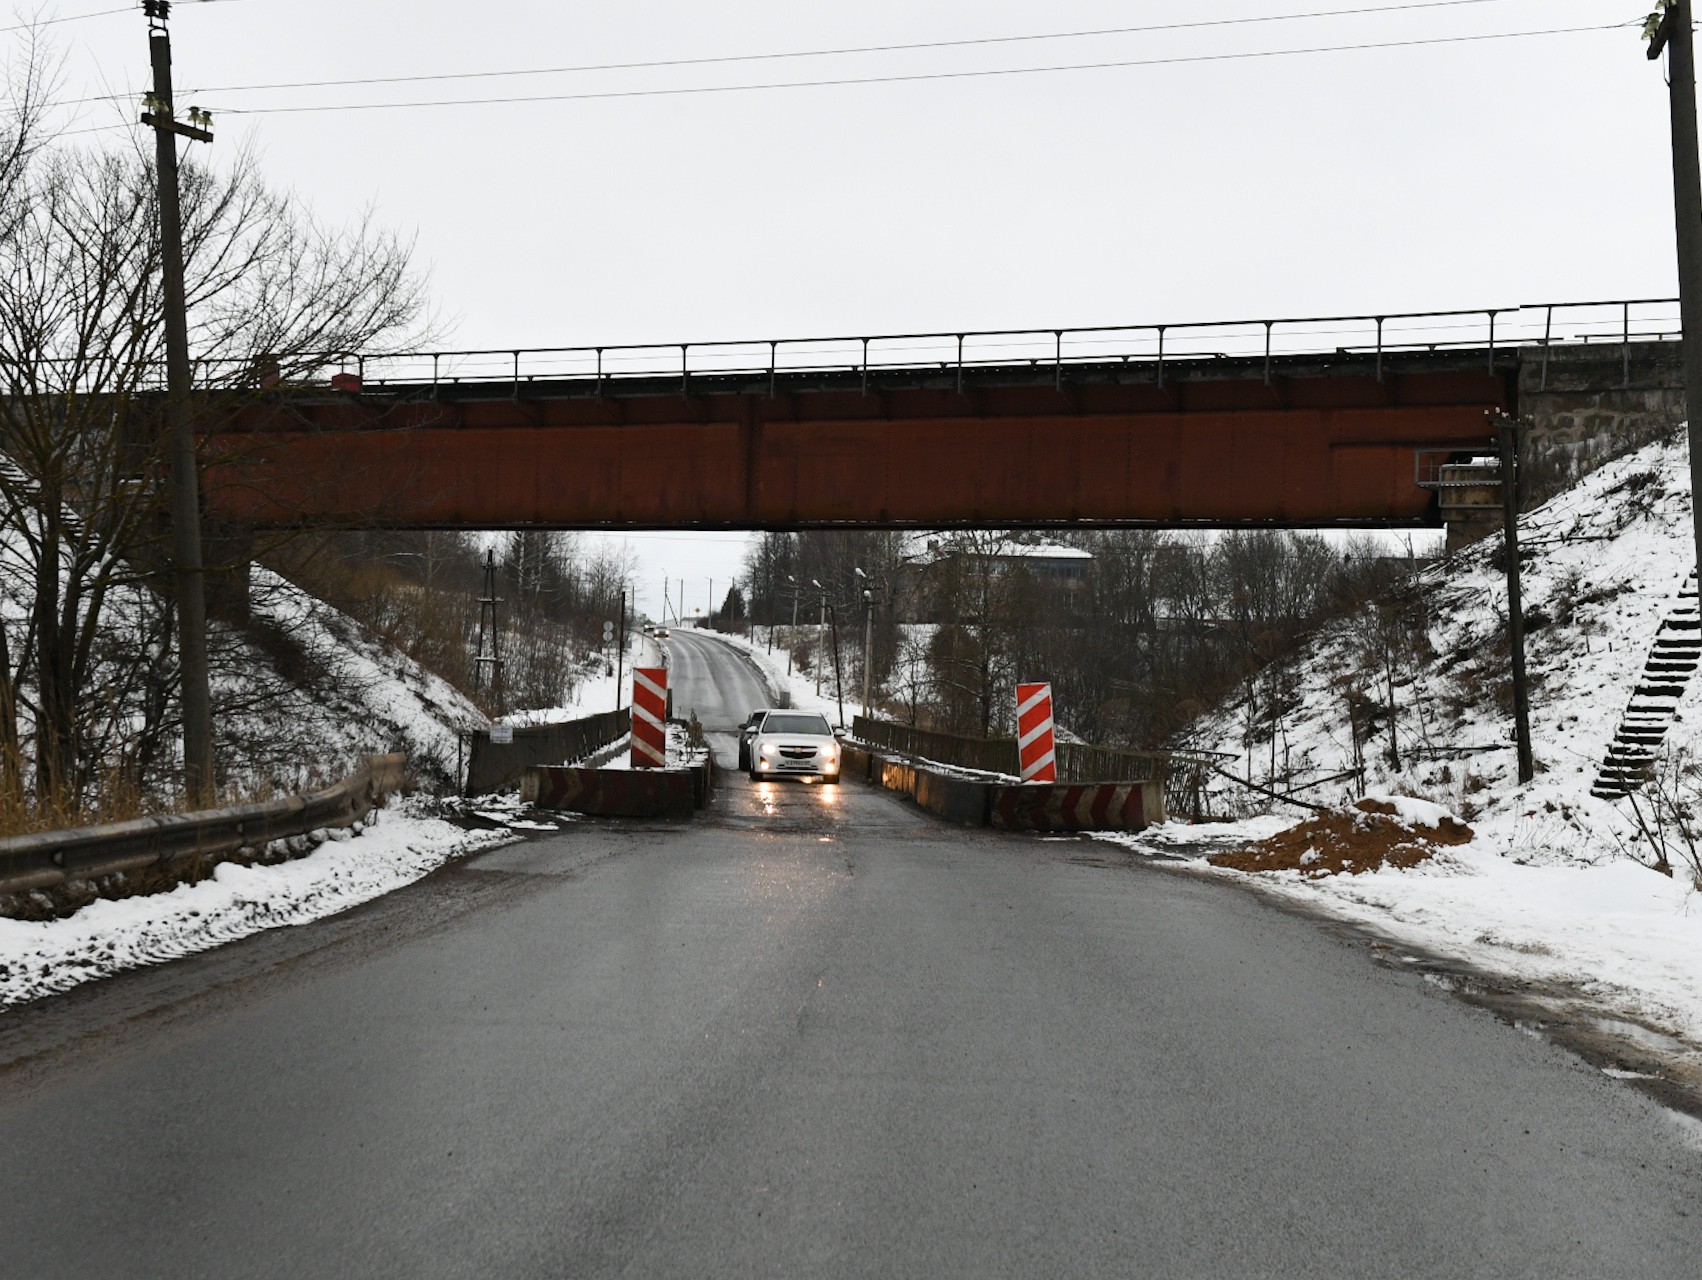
x=989, y=607
x=271, y=294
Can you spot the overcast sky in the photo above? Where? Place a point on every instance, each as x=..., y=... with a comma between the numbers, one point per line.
x=1464, y=174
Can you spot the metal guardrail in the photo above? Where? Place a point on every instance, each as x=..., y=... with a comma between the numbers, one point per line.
x=1492, y=330
x=491, y=766
x=51, y=858
x=1489, y=329
x=1083, y=762
x=988, y=755
x=1181, y=772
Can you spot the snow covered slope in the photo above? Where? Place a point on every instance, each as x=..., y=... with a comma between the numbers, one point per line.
x=313, y=690
x=1603, y=563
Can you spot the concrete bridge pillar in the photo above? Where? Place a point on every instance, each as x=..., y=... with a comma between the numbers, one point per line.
x=1588, y=402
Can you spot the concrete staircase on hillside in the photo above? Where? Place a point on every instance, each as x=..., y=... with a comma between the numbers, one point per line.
x=1654, y=702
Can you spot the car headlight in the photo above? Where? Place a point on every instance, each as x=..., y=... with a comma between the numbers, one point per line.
x=830, y=751
x=767, y=749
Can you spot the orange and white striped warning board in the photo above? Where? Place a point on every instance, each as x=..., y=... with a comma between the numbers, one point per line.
x=1034, y=741
x=649, y=717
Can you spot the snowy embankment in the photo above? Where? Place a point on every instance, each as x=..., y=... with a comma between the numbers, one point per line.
x=307, y=691
x=317, y=691
x=1546, y=890
x=1602, y=564
x=397, y=847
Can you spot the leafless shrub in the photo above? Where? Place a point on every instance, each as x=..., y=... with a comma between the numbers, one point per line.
x=1667, y=813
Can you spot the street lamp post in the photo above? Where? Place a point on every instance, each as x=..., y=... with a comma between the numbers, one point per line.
x=868, y=643
x=868, y=632
x=838, y=673
x=791, y=635
x=821, y=635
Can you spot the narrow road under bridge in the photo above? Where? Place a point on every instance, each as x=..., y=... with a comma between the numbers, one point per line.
x=815, y=1033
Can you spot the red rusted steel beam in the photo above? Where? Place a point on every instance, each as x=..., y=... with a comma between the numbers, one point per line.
x=1295, y=451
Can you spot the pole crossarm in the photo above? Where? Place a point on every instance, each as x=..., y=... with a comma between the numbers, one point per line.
x=171, y=124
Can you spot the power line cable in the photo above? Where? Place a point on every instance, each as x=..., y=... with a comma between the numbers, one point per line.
x=900, y=78
x=75, y=17
x=914, y=77
x=851, y=50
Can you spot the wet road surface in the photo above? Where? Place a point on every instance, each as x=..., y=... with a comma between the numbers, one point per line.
x=815, y=1033
x=712, y=681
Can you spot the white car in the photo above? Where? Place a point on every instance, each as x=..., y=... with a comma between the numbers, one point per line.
x=794, y=744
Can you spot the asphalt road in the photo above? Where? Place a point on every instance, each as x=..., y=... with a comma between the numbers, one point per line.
x=710, y=680
x=815, y=1033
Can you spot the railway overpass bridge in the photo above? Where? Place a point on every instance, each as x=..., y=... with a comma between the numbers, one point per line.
x=1335, y=421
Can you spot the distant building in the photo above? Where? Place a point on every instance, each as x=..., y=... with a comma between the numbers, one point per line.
x=1063, y=573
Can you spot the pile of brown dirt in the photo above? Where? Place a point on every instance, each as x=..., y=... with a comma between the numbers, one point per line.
x=1367, y=836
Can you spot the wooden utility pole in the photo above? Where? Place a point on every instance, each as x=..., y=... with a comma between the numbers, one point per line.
x=185, y=480
x=1508, y=436
x=1671, y=30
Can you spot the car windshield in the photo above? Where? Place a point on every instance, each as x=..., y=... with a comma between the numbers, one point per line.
x=796, y=724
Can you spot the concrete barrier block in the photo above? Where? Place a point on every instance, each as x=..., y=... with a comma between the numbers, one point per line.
x=954, y=799
x=854, y=762
x=1099, y=806
x=1094, y=806
x=614, y=793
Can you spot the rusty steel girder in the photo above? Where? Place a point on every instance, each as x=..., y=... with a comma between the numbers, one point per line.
x=1331, y=447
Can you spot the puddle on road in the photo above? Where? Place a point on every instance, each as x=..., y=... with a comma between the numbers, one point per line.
x=1659, y=1041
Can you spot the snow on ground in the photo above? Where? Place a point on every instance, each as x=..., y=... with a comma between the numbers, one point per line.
x=1545, y=890
x=1626, y=938
x=397, y=847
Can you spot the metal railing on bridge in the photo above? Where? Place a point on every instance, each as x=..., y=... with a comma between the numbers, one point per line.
x=1182, y=772
x=1491, y=330
x=491, y=766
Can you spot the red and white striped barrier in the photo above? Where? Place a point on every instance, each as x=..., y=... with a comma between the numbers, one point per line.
x=1094, y=806
x=649, y=717
x=1034, y=733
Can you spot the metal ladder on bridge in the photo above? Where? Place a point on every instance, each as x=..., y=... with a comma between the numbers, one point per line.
x=1654, y=702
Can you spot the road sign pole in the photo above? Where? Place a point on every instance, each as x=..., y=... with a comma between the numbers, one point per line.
x=609, y=643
